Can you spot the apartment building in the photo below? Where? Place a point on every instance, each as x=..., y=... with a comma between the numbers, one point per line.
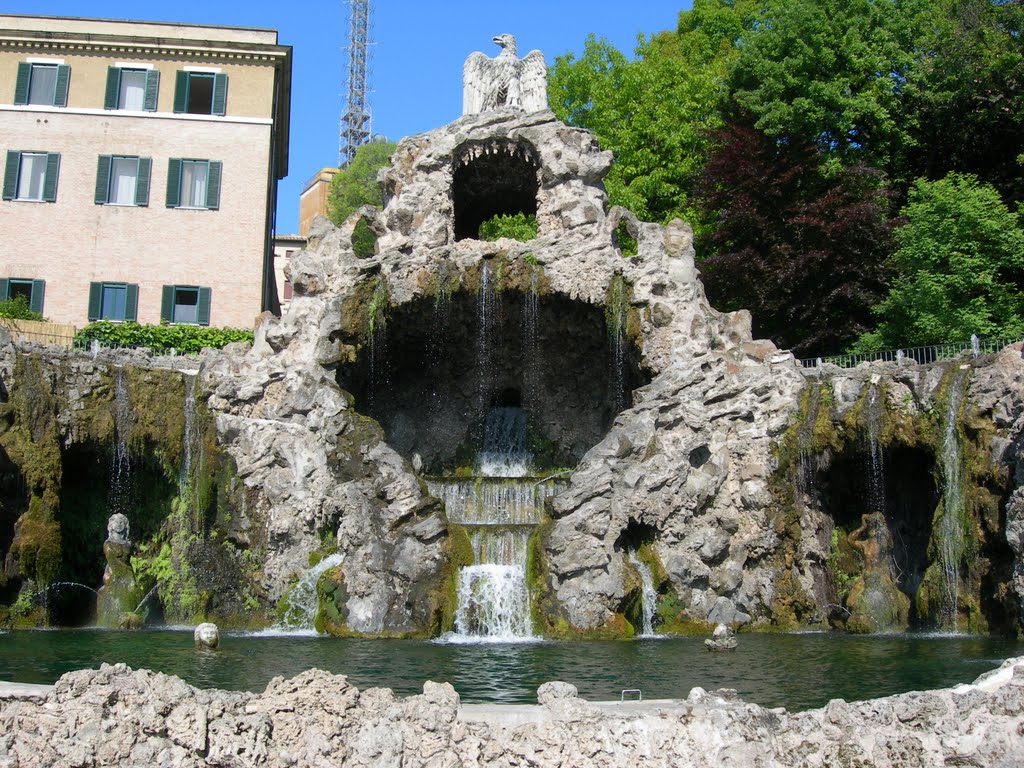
x=140, y=168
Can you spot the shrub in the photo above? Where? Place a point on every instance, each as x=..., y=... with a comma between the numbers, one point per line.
x=516, y=226
x=18, y=309
x=182, y=338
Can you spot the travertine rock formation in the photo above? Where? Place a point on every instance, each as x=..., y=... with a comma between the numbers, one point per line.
x=689, y=463
x=116, y=717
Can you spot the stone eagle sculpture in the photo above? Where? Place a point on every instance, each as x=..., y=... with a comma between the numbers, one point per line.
x=505, y=80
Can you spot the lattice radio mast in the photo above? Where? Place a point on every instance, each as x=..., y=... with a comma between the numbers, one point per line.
x=354, y=127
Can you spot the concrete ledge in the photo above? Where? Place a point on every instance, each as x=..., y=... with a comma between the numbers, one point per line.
x=23, y=691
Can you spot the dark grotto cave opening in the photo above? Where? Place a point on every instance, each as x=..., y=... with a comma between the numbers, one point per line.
x=491, y=180
x=902, y=486
x=95, y=485
x=13, y=503
x=440, y=365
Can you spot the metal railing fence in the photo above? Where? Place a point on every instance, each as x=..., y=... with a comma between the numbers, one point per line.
x=927, y=354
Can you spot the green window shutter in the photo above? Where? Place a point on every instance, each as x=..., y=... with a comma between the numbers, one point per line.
x=11, y=174
x=173, y=182
x=180, y=91
x=152, y=90
x=22, y=81
x=4, y=288
x=38, y=289
x=213, y=185
x=142, y=181
x=95, y=300
x=103, y=179
x=131, y=302
x=220, y=94
x=50, y=183
x=203, y=307
x=113, y=88
x=167, y=304
x=60, y=97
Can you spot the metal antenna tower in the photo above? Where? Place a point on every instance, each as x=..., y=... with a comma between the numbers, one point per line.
x=354, y=127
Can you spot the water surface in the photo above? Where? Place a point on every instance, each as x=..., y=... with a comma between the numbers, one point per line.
x=795, y=671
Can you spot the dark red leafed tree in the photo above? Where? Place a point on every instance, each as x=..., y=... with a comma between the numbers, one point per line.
x=801, y=246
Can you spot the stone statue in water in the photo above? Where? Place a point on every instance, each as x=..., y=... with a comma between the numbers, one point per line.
x=505, y=80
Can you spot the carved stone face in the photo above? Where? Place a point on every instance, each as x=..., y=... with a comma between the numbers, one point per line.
x=206, y=635
x=117, y=528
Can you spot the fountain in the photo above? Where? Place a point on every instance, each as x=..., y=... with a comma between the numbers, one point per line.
x=301, y=601
x=949, y=529
x=499, y=509
x=648, y=595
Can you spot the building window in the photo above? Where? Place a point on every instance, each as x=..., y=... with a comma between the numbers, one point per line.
x=31, y=176
x=123, y=180
x=187, y=304
x=31, y=290
x=115, y=302
x=42, y=84
x=193, y=183
x=200, y=93
x=132, y=89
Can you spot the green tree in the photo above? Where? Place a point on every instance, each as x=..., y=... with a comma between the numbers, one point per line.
x=959, y=268
x=968, y=95
x=832, y=72
x=655, y=112
x=356, y=184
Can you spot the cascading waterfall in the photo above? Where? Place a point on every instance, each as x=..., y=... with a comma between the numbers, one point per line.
x=379, y=374
x=876, y=468
x=499, y=509
x=950, y=529
x=615, y=316
x=192, y=457
x=504, y=451
x=487, y=312
x=648, y=594
x=804, y=479
x=301, y=602
x=119, y=492
x=531, y=337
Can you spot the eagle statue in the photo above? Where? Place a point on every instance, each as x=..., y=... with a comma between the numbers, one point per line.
x=505, y=80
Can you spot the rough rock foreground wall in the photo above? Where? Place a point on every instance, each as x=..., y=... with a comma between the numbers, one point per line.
x=116, y=717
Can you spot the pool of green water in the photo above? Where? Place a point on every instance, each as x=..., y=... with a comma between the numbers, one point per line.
x=798, y=671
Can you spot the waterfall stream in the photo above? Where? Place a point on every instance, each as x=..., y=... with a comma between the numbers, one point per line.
x=950, y=534
x=119, y=490
x=648, y=594
x=499, y=509
x=301, y=602
x=876, y=468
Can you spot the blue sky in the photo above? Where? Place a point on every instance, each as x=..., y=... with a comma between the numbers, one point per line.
x=416, y=58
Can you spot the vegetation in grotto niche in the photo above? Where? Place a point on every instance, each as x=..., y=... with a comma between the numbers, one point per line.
x=908, y=500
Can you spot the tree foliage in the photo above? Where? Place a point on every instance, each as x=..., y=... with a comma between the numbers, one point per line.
x=959, y=268
x=803, y=250
x=654, y=112
x=356, y=184
x=790, y=133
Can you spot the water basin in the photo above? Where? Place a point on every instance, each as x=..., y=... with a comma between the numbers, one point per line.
x=799, y=671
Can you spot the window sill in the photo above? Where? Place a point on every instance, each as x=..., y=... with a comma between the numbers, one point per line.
x=193, y=208
x=28, y=200
x=122, y=205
